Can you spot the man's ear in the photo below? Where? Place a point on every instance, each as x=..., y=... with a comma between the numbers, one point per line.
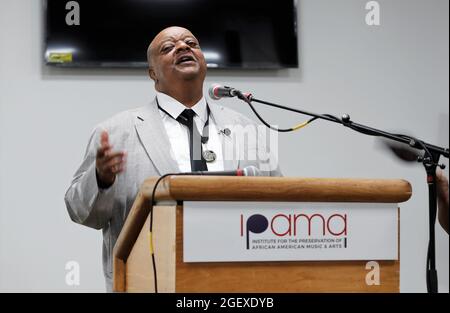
x=151, y=73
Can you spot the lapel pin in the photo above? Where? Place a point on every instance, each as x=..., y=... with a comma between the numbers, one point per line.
x=226, y=131
x=209, y=156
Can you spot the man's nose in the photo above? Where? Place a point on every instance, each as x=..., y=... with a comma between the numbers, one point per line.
x=182, y=46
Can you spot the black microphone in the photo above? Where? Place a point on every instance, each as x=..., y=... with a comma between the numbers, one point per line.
x=246, y=171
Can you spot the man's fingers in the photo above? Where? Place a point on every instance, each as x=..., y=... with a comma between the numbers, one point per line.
x=104, y=145
x=113, y=166
x=104, y=138
x=119, y=169
x=116, y=168
x=111, y=156
x=114, y=162
x=103, y=151
x=109, y=162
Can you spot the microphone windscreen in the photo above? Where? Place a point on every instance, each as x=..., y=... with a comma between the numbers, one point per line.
x=212, y=93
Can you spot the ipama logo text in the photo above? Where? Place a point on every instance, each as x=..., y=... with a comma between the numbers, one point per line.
x=294, y=225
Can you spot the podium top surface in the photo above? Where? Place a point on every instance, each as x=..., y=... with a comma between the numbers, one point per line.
x=281, y=189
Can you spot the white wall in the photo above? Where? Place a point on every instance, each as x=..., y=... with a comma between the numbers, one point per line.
x=394, y=77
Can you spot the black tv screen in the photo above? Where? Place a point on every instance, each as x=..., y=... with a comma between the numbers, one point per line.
x=233, y=34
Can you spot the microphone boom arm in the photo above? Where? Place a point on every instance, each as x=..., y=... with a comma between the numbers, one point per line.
x=346, y=121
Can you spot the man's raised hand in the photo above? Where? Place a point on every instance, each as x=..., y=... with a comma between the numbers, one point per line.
x=108, y=163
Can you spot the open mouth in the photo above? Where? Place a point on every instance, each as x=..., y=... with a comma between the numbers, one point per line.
x=185, y=59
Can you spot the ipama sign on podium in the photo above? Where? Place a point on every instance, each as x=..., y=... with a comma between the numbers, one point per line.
x=293, y=227
x=257, y=231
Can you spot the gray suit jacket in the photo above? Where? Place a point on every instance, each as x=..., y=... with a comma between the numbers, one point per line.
x=141, y=133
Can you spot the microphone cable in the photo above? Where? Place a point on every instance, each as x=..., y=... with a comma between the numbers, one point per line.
x=152, y=246
x=248, y=99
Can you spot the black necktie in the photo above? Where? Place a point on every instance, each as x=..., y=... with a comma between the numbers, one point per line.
x=198, y=163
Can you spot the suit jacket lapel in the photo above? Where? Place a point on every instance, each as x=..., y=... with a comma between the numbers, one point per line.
x=153, y=136
x=230, y=150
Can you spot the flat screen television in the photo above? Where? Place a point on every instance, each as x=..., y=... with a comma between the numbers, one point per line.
x=237, y=34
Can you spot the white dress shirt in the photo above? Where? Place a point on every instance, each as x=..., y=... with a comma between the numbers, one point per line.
x=179, y=134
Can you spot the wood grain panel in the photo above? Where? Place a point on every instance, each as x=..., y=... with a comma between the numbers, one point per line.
x=139, y=270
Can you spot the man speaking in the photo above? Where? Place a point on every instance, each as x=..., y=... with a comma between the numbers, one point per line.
x=178, y=132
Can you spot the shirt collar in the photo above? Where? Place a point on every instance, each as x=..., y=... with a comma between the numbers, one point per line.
x=175, y=108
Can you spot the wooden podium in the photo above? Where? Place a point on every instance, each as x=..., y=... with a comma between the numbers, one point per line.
x=132, y=262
